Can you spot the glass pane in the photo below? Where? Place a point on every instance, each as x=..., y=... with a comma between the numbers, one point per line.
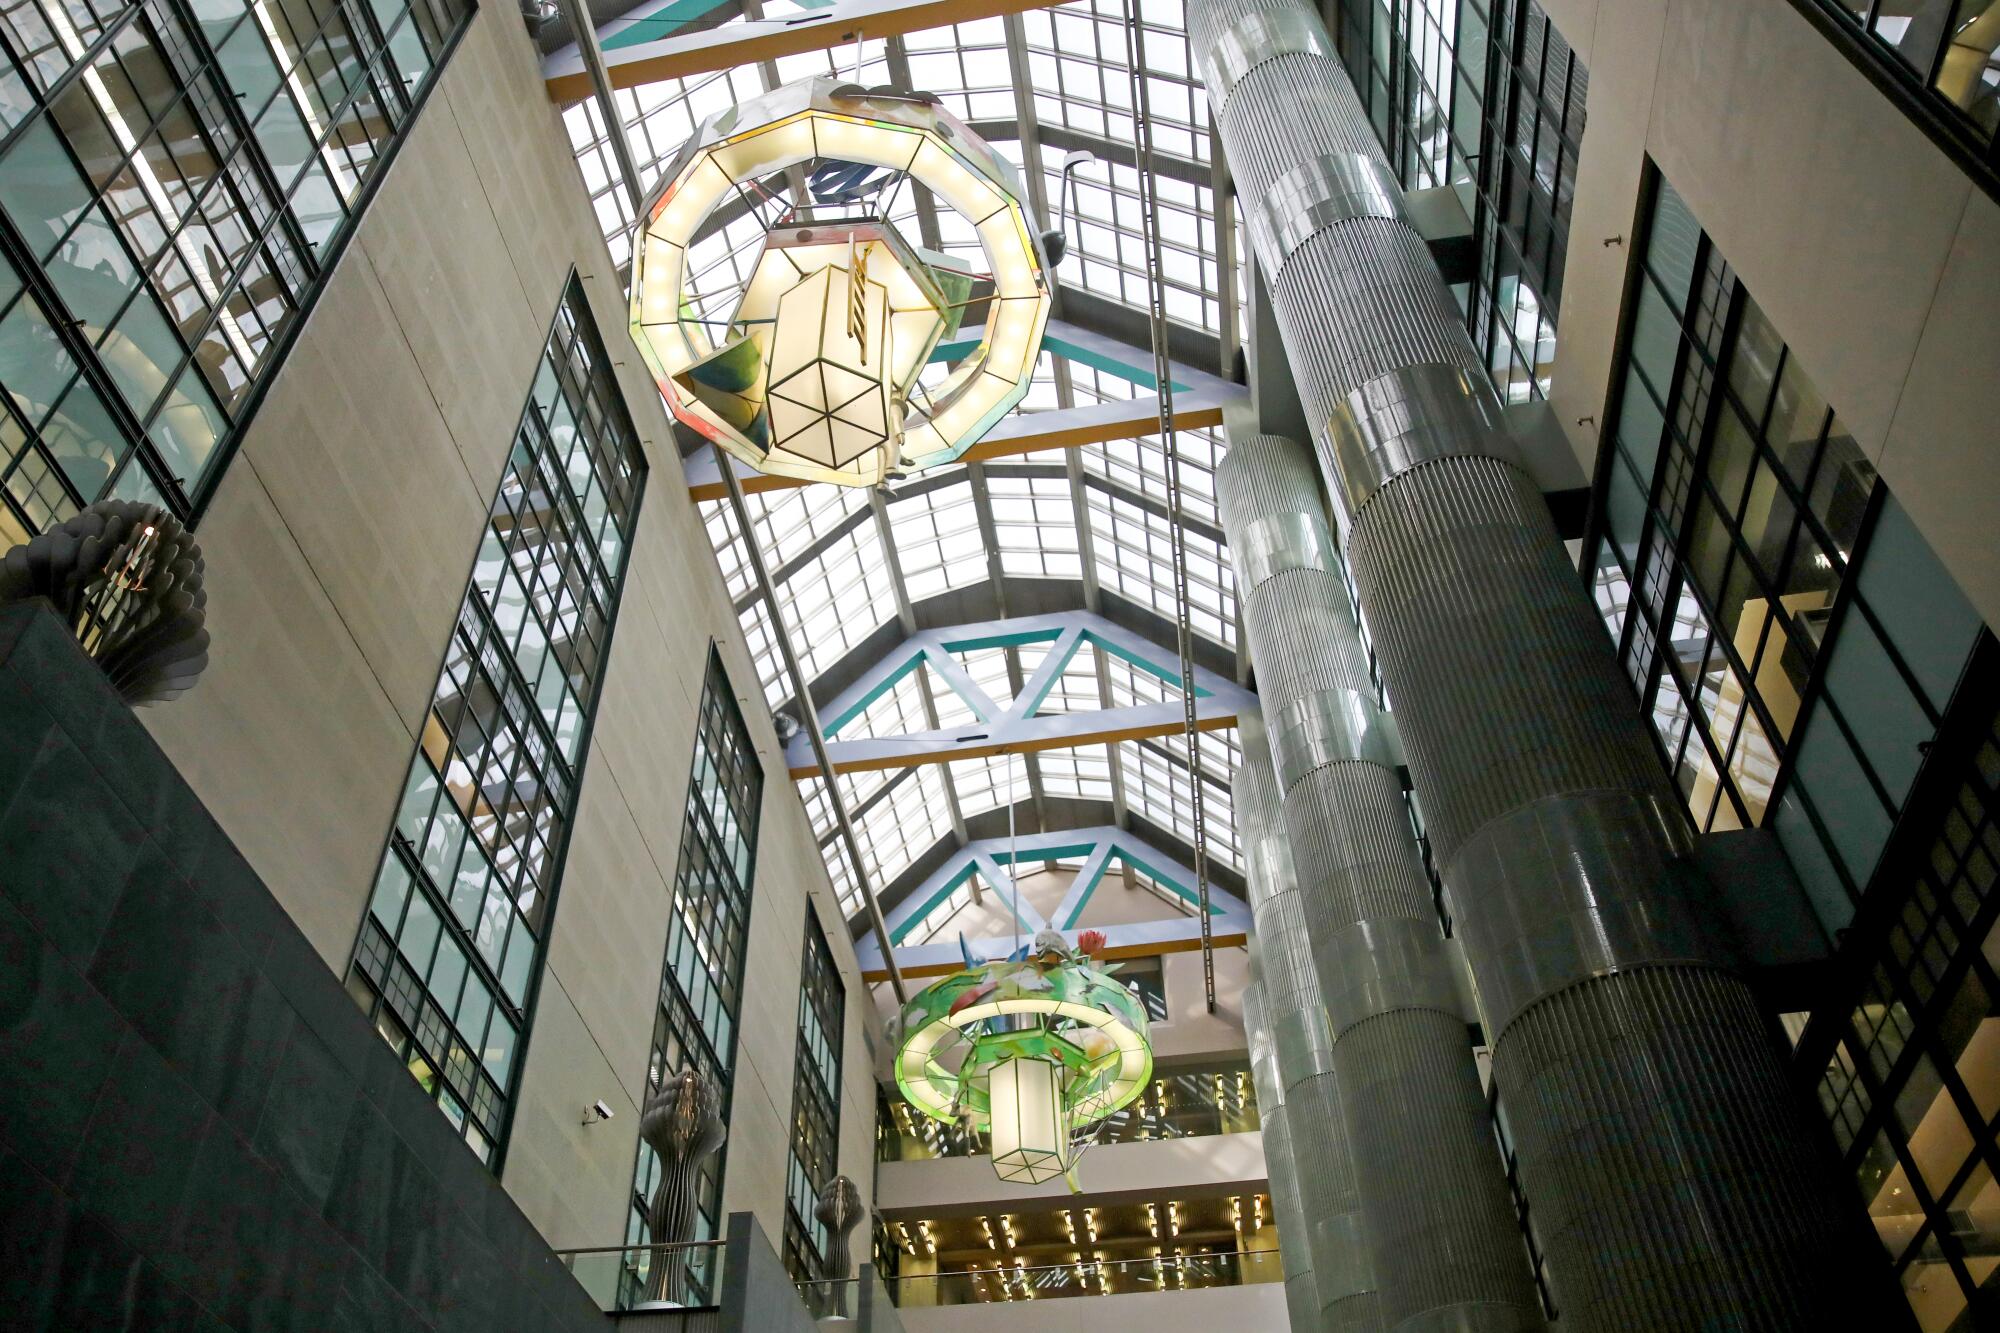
x=1812, y=863
x=1848, y=807
x=1886, y=720
x=1671, y=244
x=1968, y=74
x=1656, y=337
x=1926, y=617
x=40, y=188
x=1640, y=422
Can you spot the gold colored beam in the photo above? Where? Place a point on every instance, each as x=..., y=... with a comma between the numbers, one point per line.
x=950, y=752
x=1225, y=941
x=1143, y=419
x=746, y=44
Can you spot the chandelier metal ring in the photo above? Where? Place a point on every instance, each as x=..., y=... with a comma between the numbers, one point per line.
x=822, y=119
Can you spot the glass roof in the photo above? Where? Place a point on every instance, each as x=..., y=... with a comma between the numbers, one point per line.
x=1092, y=530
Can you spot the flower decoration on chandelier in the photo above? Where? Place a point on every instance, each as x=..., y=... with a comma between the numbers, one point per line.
x=815, y=374
x=1035, y=1050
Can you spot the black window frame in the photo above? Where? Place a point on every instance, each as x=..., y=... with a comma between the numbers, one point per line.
x=371, y=974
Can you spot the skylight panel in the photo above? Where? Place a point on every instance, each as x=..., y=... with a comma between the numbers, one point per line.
x=1034, y=518
x=982, y=784
x=936, y=529
x=1134, y=549
x=1083, y=773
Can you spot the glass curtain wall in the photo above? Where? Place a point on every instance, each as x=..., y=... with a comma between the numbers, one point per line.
x=701, y=981
x=1483, y=96
x=176, y=177
x=1908, y=1067
x=815, y=1106
x=1793, y=639
x=450, y=951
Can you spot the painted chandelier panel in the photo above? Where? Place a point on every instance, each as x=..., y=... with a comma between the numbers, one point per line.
x=1035, y=1050
x=815, y=375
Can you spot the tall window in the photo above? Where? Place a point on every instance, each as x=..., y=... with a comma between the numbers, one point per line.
x=1486, y=97
x=1792, y=637
x=815, y=1105
x=701, y=983
x=176, y=178
x=1911, y=1082
x=450, y=951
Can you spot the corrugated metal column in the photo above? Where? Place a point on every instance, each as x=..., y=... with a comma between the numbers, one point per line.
x=1299, y=1048
x=1446, y=1249
x=1671, y=1176
x=1301, y=1296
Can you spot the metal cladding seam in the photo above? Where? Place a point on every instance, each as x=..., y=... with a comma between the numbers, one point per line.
x=1672, y=1178
x=1320, y=1162
x=1287, y=1210
x=1439, y=1226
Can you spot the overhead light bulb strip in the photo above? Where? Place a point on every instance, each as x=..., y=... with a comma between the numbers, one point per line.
x=1156, y=302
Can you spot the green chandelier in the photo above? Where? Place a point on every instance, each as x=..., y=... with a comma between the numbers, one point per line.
x=1034, y=1050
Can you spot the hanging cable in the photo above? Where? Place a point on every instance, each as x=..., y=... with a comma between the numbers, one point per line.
x=1156, y=301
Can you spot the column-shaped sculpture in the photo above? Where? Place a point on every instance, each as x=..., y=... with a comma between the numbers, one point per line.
x=1301, y=1049
x=838, y=1209
x=1445, y=1248
x=682, y=1124
x=1671, y=1176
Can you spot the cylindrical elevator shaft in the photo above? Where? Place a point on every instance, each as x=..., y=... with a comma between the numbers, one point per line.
x=1670, y=1174
x=1442, y=1238
x=1302, y=1050
x=1294, y=1244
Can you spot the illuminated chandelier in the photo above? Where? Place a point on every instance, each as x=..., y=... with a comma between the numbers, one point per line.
x=1035, y=1050
x=815, y=373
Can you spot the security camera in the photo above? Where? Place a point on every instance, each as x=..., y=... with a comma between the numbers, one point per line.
x=598, y=1111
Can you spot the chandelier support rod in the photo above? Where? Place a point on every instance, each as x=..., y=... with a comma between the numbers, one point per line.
x=1156, y=294
x=809, y=719
x=584, y=29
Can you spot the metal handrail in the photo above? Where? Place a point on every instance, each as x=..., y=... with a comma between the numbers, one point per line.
x=645, y=1245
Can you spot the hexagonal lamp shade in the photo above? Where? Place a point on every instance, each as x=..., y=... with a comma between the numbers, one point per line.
x=815, y=374
x=1032, y=1050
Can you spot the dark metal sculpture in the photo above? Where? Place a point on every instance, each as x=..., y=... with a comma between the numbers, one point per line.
x=838, y=1210
x=682, y=1124
x=127, y=578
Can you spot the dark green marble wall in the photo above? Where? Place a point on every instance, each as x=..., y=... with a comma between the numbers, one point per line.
x=198, y=1130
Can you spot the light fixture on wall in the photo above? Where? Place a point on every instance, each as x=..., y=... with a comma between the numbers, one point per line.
x=1035, y=1050
x=817, y=372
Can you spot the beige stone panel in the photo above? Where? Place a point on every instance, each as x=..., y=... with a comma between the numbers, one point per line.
x=645, y=729
x=1942, y=458
x=288, y=739
x=570, y=1178
x=1621, y=60
x=1834, y=209
x=1191, y=1032
x=355, y=456
x=768, y=1017
x=527, y=173
x=474, y=333
x=759, y=1147
x=610, y=929
x=1576, y=20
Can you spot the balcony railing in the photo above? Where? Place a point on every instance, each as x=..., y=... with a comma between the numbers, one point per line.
x=1179, y=1104
x=1114, y=1277
x=628, y=1277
